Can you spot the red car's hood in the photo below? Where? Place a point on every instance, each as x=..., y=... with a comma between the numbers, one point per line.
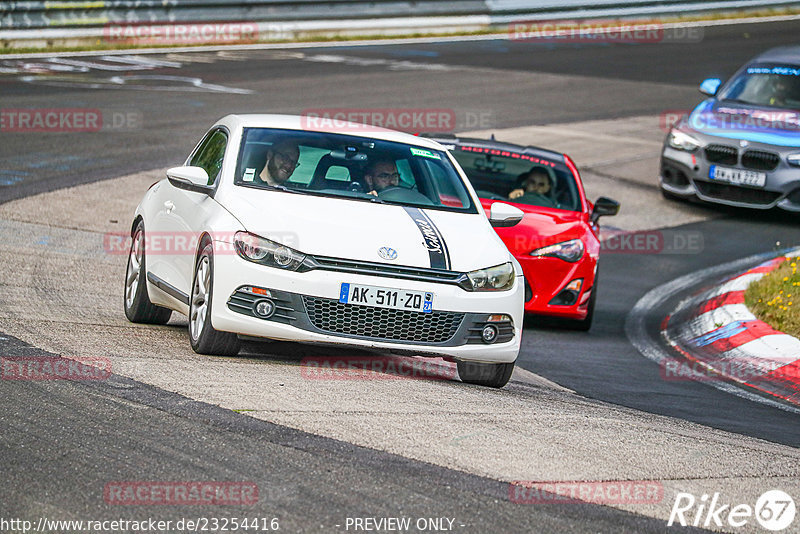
x=541, y=227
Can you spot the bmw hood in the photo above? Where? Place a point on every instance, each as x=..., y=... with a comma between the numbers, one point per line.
x=736, y=121
x=358, y=230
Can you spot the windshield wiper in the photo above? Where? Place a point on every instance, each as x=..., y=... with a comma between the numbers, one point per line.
x=285, y=189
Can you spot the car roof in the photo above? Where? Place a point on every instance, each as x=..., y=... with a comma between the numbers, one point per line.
x=497, y=145
x=316, y=124
x=781, y=54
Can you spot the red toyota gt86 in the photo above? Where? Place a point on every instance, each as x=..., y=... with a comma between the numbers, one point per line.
x=557, y=240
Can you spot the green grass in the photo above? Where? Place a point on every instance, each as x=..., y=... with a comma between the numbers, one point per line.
x=775, y=299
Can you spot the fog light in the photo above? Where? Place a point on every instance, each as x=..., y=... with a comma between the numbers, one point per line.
x=264, y=308
x=489, y=333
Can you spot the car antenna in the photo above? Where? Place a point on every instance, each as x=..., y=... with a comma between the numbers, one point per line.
x=492, y=138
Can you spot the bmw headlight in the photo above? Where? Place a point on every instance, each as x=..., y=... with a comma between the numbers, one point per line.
x=683, y=141
x=498, y=278
x=793, y=159
x=259, y=250
x=570, y=251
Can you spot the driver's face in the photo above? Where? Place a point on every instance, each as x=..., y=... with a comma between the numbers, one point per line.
x=384, y=175
x=537, y=183
x=282, y=163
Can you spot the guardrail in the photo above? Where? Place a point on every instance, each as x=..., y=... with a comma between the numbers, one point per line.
x=71, y=22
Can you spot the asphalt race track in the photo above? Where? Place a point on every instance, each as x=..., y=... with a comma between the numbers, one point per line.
x=583, y=406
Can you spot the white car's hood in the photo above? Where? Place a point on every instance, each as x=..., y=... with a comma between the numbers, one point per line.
x=356, y=230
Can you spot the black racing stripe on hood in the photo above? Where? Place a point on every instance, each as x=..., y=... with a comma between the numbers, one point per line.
x=432, y=238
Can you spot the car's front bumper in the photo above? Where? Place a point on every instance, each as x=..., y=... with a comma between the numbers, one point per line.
x=309, y=311
x=686, y=174
x=549, y=277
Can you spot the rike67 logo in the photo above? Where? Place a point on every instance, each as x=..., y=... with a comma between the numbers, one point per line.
x=774, y=510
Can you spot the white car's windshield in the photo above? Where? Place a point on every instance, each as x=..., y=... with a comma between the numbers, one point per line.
x=352, y=167
x=766, y=85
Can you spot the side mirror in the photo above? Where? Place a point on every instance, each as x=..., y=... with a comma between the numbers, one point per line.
x=190, y=178
x=710, y=86
x=502, y=215
x=604, y=206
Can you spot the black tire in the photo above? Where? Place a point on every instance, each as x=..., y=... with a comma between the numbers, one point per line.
x=135, y=300
x=203, y=337
x=585, y=324
x=493, y=375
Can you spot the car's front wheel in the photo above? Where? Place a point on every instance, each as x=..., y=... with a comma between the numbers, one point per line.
x=138, y=308
x=586, y=323
x=493, y=375
x=204, y=339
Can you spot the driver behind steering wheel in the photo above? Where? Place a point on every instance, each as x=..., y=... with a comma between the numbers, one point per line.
x=536, y=188
x=381, y=174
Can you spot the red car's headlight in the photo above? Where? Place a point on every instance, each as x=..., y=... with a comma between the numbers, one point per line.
x=570, y=251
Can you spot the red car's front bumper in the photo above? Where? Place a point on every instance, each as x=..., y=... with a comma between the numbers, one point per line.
x=549, y=277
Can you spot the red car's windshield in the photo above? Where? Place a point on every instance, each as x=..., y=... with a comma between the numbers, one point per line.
x=517, y=178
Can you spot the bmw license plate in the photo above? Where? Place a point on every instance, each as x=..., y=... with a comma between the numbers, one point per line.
x=737, y=176
x=385, y=297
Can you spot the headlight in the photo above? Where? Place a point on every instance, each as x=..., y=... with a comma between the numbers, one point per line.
x=499, y=278
x=260, y=250
x=682, y=141
x=793, y=159
x=570, y=251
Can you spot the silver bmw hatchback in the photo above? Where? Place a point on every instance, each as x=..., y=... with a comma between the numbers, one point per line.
x=741, y=146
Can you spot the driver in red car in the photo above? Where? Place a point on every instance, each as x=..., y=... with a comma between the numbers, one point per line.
x=380, y=175
x=535, y=189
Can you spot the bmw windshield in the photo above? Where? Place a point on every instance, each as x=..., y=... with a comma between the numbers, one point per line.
x=765, y=85
x=345, y=166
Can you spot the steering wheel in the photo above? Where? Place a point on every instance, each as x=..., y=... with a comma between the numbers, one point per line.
x=536, y=199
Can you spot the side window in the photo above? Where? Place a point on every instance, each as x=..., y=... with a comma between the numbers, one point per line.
x=210, y=154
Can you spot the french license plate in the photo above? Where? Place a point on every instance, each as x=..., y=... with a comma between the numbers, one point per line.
x=737, y=176
x=385, y=297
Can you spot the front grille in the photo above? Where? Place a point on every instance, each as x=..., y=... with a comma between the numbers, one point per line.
x=330, y=315
x=393, y=271
x=722, y=154
x=760, y=160
x=734, y=193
